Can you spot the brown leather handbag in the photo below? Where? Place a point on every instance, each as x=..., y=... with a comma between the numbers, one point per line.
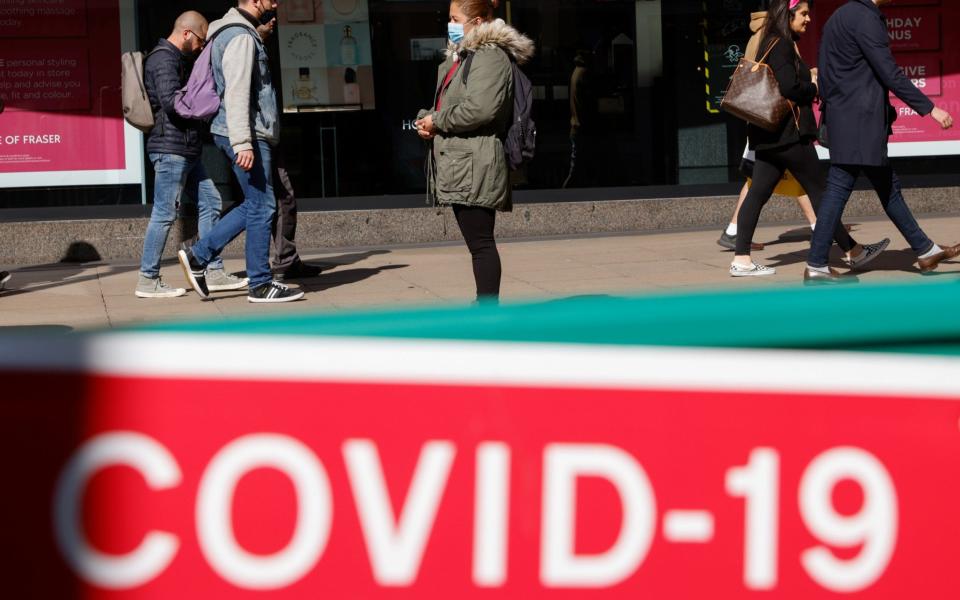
x=754, y=94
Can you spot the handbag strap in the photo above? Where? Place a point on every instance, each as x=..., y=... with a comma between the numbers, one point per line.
x=769, y=50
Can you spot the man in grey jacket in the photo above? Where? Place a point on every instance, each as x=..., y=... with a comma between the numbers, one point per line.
x=246, y=128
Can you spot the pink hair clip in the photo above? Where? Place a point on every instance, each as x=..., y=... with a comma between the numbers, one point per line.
x=794, y=3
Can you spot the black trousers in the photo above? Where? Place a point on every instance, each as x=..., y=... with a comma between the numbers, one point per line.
x=801, y=160
x=477, y=225
x=284, y=247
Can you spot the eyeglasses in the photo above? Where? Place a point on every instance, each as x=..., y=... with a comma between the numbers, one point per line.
x=203, y=41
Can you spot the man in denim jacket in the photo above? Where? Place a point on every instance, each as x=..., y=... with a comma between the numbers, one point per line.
x=246, y=128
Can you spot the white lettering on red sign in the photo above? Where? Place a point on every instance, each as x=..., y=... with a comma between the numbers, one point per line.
x=396, y=543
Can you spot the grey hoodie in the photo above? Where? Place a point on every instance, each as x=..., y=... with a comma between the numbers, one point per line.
x=248, y=108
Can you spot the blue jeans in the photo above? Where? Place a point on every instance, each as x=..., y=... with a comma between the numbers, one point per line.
x=175, y=175
x=840, y=184
x=254, y=215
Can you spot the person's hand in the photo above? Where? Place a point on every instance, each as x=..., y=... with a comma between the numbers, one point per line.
x=814, y=76
x=943, y=117
x=426, y=124
x=267, y=29
x=245, y=159
x=425, y=128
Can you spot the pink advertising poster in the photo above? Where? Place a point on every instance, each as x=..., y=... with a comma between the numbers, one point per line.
x=60, y=84
x=930, y=56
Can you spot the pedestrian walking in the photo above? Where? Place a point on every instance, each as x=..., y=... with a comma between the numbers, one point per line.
x=858, y=74
x=285, y=262
x=472, y=111
x=174, y=146
x=791, y=146
x=728, y=238
x=246, y=128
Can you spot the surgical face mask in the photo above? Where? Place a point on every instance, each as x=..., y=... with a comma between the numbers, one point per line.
x=268, y=16
x=455, y=32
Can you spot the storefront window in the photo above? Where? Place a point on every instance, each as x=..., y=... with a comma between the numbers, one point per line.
x=646, y=77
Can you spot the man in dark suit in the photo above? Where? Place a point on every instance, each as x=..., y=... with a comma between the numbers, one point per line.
x=857, y=72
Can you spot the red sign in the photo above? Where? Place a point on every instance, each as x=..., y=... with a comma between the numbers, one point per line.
x=43, y=18
x=912, y=29
x=59, y=80
x=507, y=480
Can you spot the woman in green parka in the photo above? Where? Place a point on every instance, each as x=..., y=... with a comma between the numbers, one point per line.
x=472, y=111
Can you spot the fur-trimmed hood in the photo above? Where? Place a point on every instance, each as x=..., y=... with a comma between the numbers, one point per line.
x=757, y=21
x=496, y=33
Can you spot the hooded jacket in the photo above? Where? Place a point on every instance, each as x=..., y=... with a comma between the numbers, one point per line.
x=467, y=165
x=241, y=69
x=757, y=21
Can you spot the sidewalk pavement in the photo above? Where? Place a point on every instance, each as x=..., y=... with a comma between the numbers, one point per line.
x=64, y=297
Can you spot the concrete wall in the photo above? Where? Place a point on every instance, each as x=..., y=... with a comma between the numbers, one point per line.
x=42, y=242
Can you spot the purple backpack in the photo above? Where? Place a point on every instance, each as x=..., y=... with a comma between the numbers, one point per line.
x=199, y=98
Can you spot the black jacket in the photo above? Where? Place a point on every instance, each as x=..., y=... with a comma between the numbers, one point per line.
x=165, y=71
x=796, y=85
x=857, y=74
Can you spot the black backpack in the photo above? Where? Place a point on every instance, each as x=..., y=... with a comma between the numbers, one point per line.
x=520, y=145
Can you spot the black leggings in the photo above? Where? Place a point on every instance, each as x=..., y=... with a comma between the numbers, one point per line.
x=477, y=224
x=801, y=160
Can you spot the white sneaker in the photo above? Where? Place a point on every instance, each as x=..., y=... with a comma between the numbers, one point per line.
x=219, y=280
x=156, y=288
x=754, y=270
x=870, y=252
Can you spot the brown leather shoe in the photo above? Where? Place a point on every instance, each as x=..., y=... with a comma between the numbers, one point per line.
x=814, y=277
x=932, y=262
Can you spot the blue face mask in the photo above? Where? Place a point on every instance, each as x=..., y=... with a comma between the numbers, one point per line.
x=455, y=32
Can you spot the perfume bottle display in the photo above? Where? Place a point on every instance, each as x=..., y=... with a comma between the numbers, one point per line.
x=348, y=47
x=345, y=7
x=351, y=89
x=325, y=62
x=304, y=89
x=299, y=11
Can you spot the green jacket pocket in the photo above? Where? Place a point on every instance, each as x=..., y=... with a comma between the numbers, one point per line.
x=455, y=174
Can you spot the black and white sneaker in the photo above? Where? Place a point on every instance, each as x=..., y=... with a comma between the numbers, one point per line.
x=193, y=271
x=4, y=278
x=870, y=252
x=273, y=292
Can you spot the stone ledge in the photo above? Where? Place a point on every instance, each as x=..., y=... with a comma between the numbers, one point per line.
x=43, y=242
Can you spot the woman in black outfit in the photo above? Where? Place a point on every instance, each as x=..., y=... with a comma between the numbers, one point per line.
x=791, y=147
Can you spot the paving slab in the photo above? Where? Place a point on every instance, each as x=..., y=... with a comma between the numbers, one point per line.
x=65, y=296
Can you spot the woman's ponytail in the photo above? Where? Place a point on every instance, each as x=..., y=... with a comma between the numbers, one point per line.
x=482, y=9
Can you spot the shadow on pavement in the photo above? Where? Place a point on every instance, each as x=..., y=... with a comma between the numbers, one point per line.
x=338, y=278
x=330, y=262
x=35, y=329
x=58, y=274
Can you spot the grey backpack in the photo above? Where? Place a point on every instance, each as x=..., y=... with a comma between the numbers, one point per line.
x=136, y=103
x=520, y=145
